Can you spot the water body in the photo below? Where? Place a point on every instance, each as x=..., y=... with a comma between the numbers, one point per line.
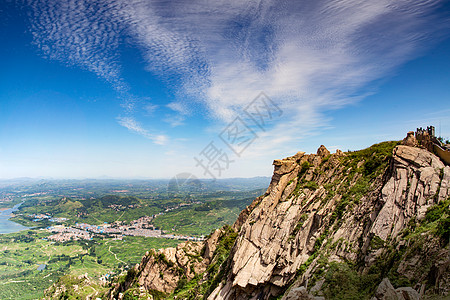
x=7, y=226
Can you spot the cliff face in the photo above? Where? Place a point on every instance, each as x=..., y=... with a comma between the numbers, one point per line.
x=331, y=206
x=329, y=225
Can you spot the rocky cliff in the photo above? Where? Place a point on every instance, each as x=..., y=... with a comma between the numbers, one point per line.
x=355, y=225
x=344, y=209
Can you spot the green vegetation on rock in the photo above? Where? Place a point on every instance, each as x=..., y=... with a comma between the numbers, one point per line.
x=216, y=271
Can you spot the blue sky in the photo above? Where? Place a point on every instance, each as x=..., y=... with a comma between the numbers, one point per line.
x=141, y=89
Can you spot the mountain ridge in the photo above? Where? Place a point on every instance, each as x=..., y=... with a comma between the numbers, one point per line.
x=356, y=225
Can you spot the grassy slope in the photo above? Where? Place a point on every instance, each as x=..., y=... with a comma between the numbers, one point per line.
x=23, y=252
x=192, y=222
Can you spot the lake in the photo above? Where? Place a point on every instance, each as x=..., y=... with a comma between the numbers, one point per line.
x=7, y=226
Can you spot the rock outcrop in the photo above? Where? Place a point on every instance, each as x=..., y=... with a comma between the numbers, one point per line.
x=312, y=202
x=365, y=213
x=161, y=271
x=410, y=139
x=323, y=151
x=414, y=185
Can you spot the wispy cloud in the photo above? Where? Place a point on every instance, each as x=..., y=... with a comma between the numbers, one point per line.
x=181, y=111
x=150, y=108
x=79, y=33
x=132, y=125
x=318, y=52
x=308, y=56
x=86, y=34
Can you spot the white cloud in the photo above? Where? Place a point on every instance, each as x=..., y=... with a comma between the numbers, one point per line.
x=132, y=125
x=179, y=108
x=181, y=111
x=315, y=52
x=150, y=108
x=308, y=56
x=175, y=120
x=78, y=33
x=86, y=34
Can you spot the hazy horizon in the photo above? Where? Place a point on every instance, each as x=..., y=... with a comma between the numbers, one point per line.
x=120, y=178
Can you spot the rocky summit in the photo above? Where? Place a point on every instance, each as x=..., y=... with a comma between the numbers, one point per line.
x=370, y=224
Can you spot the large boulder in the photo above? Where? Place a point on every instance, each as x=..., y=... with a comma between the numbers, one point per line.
x=386, y=291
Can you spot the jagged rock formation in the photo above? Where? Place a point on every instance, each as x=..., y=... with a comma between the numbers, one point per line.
x=359, y=216
x=290, y=224
x=160, y=272
x=414, y=185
